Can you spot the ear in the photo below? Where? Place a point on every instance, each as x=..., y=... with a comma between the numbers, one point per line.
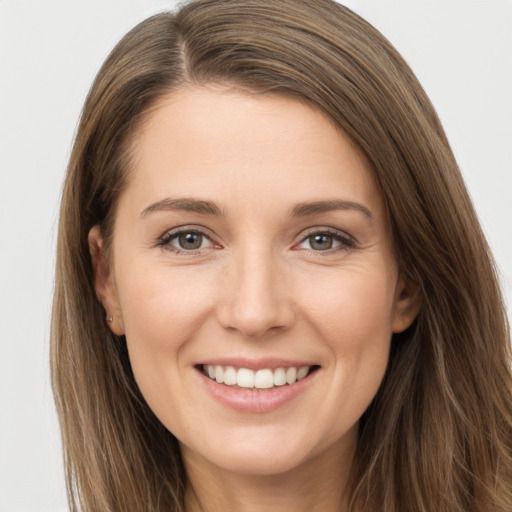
x=104, y=282
x=407, y=304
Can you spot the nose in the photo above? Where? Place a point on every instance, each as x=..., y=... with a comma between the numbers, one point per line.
x=256, y=299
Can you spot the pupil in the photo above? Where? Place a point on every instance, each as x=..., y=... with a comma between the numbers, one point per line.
x=321, y=242
x=190, y=240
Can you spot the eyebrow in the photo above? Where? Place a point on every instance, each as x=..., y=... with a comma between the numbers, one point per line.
x=187, y=204
x=304, y=209
x=316, y=207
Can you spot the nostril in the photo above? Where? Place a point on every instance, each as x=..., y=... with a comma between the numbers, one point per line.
x=255, y=299
x=255, y=322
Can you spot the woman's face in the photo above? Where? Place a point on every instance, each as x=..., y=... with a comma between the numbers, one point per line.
x=251, y=246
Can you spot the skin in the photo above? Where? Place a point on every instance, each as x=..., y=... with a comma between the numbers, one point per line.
x=258, y=287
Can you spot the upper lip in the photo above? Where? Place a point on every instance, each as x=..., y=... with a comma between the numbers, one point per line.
x=256, y=364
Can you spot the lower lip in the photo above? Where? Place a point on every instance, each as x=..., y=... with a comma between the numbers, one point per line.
x=256, y=401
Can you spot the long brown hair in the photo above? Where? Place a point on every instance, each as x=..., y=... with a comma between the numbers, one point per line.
x=438, y=435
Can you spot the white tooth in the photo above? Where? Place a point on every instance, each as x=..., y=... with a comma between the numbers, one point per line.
x=219, y=374
x=291, y=375
x=264, y=379
x=245, y=378
x=279, y=377
x=302, y=372
x=230, y=376
x=211, y=371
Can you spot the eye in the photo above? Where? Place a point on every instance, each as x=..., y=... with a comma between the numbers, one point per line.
x=321, y=242
x=185, y=241
x=190, y=240
x=326, y=240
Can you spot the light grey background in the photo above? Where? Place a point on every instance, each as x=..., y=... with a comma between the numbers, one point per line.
x=49, y=53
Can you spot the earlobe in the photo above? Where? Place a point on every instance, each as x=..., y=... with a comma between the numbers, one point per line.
x=407, y=305
x=104, y=282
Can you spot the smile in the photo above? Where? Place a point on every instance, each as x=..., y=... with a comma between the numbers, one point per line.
x=257, y=387
x=263, y=379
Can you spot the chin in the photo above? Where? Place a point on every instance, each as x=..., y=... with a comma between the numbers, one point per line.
x=266, y=451
x=255, y=461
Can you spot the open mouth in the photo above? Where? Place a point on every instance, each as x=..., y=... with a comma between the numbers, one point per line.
x=262, y=379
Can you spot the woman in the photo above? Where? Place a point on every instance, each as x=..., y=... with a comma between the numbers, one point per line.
x=272, y=289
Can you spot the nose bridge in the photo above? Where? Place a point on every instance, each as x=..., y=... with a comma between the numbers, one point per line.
x=255, y=300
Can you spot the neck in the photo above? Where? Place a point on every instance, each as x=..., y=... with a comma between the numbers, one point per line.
x=317, y=485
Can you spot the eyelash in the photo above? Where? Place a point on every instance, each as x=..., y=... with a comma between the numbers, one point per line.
x=165, y=241
x=346, y=242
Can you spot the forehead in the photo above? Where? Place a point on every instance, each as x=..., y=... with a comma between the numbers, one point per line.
x=209, y=140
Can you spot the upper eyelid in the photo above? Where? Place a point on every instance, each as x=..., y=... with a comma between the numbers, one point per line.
x=171, y=233
x=331, y=231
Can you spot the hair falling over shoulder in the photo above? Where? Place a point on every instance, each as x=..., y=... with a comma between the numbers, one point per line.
x=438, y=435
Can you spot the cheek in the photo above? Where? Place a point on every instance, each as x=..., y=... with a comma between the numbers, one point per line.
x=162, y=311
x=352, y=308
x=352, y=314
x=164, y=302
